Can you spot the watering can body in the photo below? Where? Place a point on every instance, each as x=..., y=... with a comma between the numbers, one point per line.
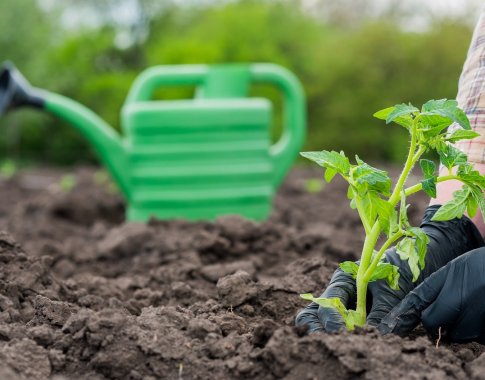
x=196, y=158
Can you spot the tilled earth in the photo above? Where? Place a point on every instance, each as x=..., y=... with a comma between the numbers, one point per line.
x=84, y=295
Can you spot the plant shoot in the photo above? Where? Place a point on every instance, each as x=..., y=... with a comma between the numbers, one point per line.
x=382, y=206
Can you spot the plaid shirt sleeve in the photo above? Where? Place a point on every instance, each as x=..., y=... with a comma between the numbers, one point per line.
x=471, y=94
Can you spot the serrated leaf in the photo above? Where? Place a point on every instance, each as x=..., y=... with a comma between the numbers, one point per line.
x=406, y=249
x=334, y=303
x=368, y=205
x=429, y=186
x=471, y=207
x=477, y=195
x=351, y=319
x=350, y=193
x=421, y=243
x=432, y=125
x=329, y=174
x=333, y=160
x=368, y=177
x=401, y=110
x=413, y=263
x=406, y=120
x=428, y=167
x=350, y=267
x=450, y=156
x=446, y=108
x=454, y=208
x=462, y=134
x=388, y=272
x=384, y=211
x=471, y=176
x=393, y=223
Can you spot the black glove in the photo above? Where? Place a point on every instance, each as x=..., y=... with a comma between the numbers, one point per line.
x=448, y=240
x=450, y=298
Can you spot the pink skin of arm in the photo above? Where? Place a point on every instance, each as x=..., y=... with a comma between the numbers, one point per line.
x=445, y=191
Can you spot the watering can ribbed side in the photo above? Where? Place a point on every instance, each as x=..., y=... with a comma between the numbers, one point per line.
x=211, y=155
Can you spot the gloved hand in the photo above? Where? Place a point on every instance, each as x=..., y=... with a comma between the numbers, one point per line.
x=450, y=298
x=448, y=240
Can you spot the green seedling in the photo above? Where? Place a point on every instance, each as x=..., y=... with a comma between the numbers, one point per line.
x=67, y=182
x=382, y=205
x=8, y=168
x=102, y=178
x=314, y=185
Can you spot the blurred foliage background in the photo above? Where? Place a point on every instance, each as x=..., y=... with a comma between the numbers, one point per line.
x=352, y=56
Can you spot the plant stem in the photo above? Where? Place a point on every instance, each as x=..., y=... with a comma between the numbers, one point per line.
x=363, y=217
x=367, y=267
x=377, y=257
x=362, y=282
x=414, y=189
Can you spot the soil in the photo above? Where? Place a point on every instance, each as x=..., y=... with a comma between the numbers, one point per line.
x=84, y=295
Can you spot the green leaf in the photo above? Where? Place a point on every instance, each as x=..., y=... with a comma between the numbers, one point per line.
x=429, y=183
x=471, y=207
x=450, y=156
x=401, y=110
x=477, y=195
x=448, y=109
x=368, y=206
x=314, y=185
x=393, y=223
x=431, y=125
x=388, y=272
x=454, y=208
x=406, y=120
x=350, y=193
x=421, y=243
x=351, y=319
x=413, y=263
x=334, y=303
x=350, y=267
x=329, y=174
x=385, y=212
x=428, y=167
x=471, y=176
x=333, y=160
x=429, y=186
x=406, y=249
x=462, y=134
x=368, y=177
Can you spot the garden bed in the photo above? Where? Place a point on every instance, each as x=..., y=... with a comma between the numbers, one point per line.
x=84, y=295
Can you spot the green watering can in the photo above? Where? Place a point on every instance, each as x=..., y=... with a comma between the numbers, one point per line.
x=194, y=158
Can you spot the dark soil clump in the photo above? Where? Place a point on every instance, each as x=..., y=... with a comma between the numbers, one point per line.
x=84, y=295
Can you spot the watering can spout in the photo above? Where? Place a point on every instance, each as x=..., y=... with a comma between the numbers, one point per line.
x=15, y=92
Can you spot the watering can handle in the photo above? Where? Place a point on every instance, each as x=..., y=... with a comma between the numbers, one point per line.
x=157, y=76
x=284, y=151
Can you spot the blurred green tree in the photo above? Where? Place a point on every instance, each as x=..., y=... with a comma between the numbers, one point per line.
x=349, y=69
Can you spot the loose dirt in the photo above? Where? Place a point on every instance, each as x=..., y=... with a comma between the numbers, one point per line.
x=84, y=295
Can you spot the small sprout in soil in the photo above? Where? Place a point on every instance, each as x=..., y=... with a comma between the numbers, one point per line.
x=314, y=185
x=102, y=178
x=8, y=169
x=67, y=182
x=382, y=206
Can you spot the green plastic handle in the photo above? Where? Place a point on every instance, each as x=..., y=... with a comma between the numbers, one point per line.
x=285, y=150
x=232, y=81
